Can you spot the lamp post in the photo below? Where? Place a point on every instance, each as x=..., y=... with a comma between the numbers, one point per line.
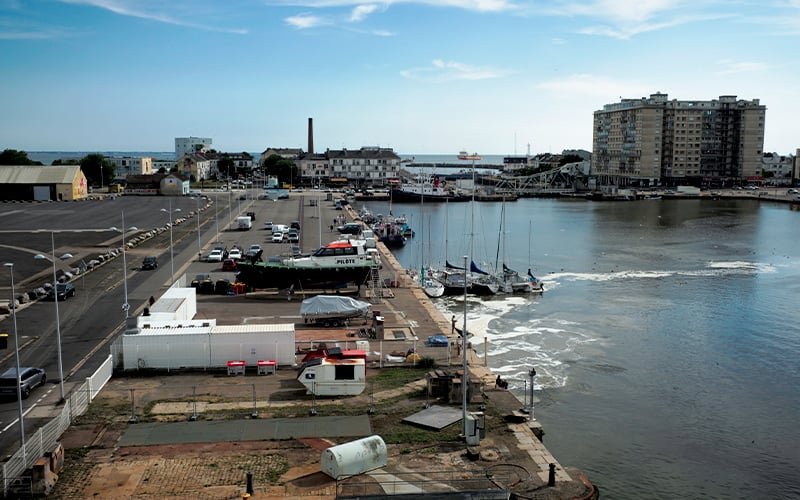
x=171, y=252
x=199, y=247
x=10, y=266
x=125, y=306
x=58, y=318
x=465, y=377
x=216, y=214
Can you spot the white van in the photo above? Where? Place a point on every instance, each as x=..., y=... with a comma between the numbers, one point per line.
x=280, y=228
x=369, y=238
x=244, y=223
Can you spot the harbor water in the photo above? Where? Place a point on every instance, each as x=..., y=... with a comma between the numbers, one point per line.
x=666, y=345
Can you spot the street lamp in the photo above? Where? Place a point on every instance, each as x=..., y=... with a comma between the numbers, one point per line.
x=10, y=266
x=125, y=306
x=171, y=253
x=58, y=318
x=465, y=377
x=199, y=247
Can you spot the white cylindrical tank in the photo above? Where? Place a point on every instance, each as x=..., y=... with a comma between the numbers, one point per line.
x=355, y=457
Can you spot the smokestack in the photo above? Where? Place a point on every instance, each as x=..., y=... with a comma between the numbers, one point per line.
x=311, y=136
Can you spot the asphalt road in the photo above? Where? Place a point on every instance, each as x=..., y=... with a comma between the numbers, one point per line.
x=91, y=319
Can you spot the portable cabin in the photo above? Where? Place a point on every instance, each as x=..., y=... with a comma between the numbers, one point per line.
x=333, y=376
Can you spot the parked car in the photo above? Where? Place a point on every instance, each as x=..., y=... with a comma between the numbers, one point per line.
x=252, y=256
x=149, y=263
x=255, y=247
x=214, y=256
x=295, y=224
x=235, y=254
x=228, y=265
x=293, y=236
x=277, y=237
x=295, y=250
x=30, y=378
x=252, y=215
x=62, y=291
x=268, y=225
x=350, y=228
x=793, y=191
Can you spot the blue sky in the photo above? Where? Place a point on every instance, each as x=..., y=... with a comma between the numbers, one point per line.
x=420, y=76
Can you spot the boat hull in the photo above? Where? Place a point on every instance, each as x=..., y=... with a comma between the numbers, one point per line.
x=267, y=275
x=401, y=196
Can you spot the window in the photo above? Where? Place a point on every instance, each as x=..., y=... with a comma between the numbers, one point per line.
x=345, y=372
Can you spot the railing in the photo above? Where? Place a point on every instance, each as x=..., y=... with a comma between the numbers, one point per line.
x=46, y=437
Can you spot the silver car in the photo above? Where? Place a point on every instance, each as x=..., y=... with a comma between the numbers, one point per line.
x=29, y=380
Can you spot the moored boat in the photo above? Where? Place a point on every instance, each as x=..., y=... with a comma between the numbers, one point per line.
x=335, y=265
x=427, y=189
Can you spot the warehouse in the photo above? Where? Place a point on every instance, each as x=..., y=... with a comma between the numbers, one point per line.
x=42, y=183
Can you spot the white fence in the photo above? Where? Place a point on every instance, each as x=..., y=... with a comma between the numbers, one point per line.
x=46, y=437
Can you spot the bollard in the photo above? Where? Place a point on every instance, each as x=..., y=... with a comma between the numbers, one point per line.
x=249, y=488
x=551, y=478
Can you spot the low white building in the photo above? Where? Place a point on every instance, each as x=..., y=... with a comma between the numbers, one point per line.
x=167, y=338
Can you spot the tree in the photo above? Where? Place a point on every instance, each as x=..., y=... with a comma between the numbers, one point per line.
x=68, y=161
x=277, y=166
x=14, y=157
x=225, y=164
x=97, y=170
x=569, y=159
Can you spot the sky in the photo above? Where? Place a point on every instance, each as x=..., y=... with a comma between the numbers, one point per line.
x=419, y=76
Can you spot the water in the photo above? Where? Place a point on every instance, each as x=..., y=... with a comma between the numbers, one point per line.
x=666, y=345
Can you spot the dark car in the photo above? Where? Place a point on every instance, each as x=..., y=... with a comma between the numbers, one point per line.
x=295, y=224
x=252, y=215
x=149, y=263
x=30, y=378
x=62, y=290
x=350, y=228
x=228, y=265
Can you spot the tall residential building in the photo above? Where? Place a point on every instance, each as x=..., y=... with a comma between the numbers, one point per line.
x=654, y=141
x=189, y=145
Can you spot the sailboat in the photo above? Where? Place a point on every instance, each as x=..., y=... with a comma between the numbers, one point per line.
x=510, y=280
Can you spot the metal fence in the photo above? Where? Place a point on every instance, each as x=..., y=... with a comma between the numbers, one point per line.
x=46, y=437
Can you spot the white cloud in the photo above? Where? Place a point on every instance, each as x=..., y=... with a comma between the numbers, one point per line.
x=153, y=10
x=305, y=21
x=729, y=67
x=360, y=12
x=446, y=71
x=596, y=86
x=476, y=5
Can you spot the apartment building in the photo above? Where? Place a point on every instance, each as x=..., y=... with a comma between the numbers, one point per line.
x=368, y=166
x=189, y=145
x=654, y=141
x=129, y=165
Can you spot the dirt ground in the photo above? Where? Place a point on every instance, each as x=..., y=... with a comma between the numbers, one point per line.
x=97, y=467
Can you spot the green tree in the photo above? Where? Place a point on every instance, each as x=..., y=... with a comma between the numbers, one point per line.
x=14, y=157
x=68, y=161
x=285, y=170
x=225, y=165
x=569, y=159
x=97, y=169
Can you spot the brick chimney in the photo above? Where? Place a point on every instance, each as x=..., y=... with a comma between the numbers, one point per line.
x=311, y=136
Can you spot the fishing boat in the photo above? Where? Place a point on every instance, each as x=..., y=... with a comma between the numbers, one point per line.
x=335, y=265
